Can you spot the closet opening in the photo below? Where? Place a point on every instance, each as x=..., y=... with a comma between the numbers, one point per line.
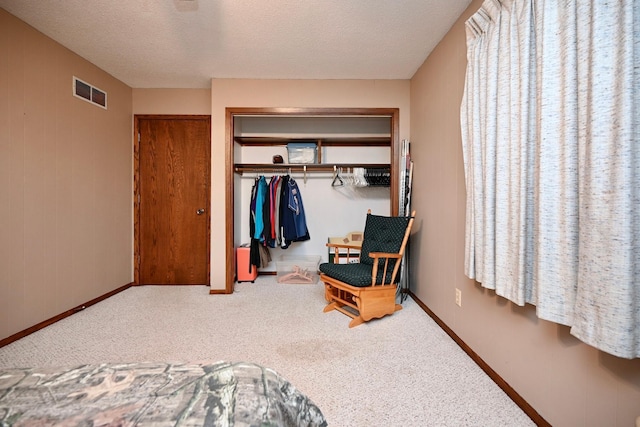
x=340, y=146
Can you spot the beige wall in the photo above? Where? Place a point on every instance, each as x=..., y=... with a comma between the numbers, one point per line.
x=285, y=93
x=172, y=101
x=65, y=181
x=566, y=381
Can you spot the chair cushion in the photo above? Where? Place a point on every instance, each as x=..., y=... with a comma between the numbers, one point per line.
x=382, y=234
x=353, y=274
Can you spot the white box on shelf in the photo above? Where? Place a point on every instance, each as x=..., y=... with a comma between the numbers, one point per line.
x=302, y=152
x=298, y=269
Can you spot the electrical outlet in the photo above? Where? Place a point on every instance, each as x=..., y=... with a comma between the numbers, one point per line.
x=458, y=297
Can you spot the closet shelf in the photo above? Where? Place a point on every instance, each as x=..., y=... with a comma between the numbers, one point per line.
x=297, y=167
x=353, y=141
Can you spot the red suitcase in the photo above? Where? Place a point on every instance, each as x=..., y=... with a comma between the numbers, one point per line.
x=245, y=272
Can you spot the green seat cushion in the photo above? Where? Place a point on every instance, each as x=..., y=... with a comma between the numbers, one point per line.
x=354, y=274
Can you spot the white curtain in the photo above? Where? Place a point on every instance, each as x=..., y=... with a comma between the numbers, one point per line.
x=551, y=139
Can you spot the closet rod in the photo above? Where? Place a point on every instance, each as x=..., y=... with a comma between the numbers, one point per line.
x=314, y=167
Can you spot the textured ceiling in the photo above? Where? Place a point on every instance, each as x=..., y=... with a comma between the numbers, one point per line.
x=185, y=43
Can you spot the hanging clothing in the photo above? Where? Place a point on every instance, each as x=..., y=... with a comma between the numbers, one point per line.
x=254, y=254
x=266, y=215
x=292, y=214
x=270, y=230
x=284, y=195
x=261, y=194
x=275, y=211
x=256, y=224
x=277, y=217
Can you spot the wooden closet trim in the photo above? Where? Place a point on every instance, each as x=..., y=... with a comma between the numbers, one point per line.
x=231, y=112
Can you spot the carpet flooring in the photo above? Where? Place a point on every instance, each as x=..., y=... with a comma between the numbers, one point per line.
x=402, y=370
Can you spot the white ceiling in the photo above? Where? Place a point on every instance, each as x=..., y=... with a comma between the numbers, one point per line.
x=185, y=43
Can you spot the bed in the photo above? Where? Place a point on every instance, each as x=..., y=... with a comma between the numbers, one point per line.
x=158, y=394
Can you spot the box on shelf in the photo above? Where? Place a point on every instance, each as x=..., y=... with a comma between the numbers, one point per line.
x=297, y=268
x=302, y=152
x=346, y=255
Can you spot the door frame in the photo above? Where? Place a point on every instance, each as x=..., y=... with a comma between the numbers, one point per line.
x=136, y=188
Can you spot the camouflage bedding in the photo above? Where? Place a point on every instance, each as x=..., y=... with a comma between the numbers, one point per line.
x=153, y=394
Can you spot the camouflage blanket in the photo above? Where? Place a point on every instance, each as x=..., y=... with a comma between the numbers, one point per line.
x=158, y=394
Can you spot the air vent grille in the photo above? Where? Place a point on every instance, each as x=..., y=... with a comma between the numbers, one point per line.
x=89, y=93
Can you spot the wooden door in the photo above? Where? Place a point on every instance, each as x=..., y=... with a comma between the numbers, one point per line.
x=173, y=186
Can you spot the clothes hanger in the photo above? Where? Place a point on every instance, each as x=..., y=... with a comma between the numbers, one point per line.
x=337, y=181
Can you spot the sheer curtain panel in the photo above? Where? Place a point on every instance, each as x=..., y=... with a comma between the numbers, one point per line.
x=550, y=121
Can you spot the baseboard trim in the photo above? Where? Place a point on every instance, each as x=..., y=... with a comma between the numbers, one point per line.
x=517, y=399
x=54, y=319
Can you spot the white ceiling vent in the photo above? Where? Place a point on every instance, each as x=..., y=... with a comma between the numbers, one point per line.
x=89, y=93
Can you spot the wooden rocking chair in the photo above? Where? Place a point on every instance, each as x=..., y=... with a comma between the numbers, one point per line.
x=367, y=289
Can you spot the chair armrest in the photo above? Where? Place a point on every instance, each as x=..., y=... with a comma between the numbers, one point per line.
x=342, y=245
x=376, y=255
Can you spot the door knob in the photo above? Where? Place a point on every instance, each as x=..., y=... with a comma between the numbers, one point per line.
x=200, y=211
